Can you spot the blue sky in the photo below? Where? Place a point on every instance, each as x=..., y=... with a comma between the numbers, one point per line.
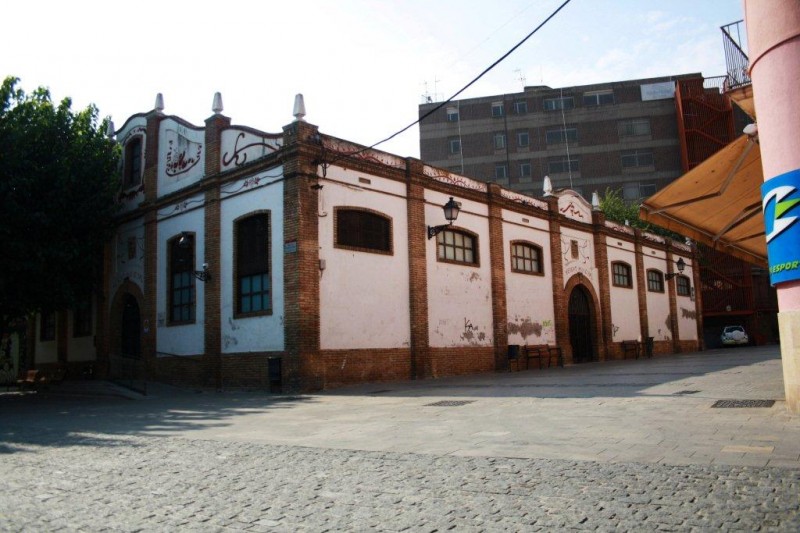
x=363, y=66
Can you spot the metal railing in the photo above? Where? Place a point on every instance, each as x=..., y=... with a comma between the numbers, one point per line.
x=736, y=61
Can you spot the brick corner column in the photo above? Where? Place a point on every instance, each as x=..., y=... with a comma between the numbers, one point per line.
x=498, y=273
x=420, y=362
x=673, y=301
x=698, y=296
x=603, y=290
x=641, y=287
x=149, y=310
x=560, y=311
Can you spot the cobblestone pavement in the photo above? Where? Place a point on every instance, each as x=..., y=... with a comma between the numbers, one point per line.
x=98, y=482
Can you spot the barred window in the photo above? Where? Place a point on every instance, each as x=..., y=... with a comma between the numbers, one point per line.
x=456, y=246
x=47, y=326
x=363, y=230
x=253, y=281
x=655, y=281
x=526, y=258
x=683, y=286
x=621, y=275
x=181, y=279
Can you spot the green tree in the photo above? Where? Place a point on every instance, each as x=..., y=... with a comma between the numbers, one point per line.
x=617, y=209
x=57, y=198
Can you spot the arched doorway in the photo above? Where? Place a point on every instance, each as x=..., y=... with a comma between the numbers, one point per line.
x=131, y=327
x=580, y=325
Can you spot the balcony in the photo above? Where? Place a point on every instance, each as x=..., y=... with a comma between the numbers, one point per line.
x=737, y=84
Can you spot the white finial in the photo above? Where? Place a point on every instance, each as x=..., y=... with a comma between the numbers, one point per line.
x=299, y=108
x=110, y=131
x=595, y=201
x=751, y=130
x=216, y=107
x=627, y=222
x=548, y=186
x=159, y=102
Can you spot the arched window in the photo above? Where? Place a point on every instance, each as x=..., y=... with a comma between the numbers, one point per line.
x=457, y=246
x=526, y=258
x=655, y=281
x=683, y=286
x=621, y=274
x=252, y=265
x=362, y=230
x=181, y=295
x=132, y=174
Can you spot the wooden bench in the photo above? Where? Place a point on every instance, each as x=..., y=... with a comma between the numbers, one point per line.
x=555, y=351
x=630, y=348
x=538, y=352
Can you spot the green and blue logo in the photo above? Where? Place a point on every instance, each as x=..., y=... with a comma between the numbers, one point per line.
x=780, y=196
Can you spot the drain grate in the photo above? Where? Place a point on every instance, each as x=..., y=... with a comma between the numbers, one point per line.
x=724, y=404
x=449, y=403
x=684, y=392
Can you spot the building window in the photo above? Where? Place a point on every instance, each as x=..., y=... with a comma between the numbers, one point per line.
x=452, y=114
x=655, y=281
x=499, y=141
x=457, y=247
x=132, y=174
x=646, y=190
x=455, y=146
x=82, y=319
x=683, y=286
x=497, y=109
x=634, y=127
x=562, y=165
x=555, y=104
x=181, y=279
x=561, y=135
x=363, y=230
x=621, y=275
x=47, y=326
x=525, y=170
x=500, y=172
x=598, y=98
x=523, y=139
x=520, y=108
x=252, y=269
x=637, y=158
x=526, y=258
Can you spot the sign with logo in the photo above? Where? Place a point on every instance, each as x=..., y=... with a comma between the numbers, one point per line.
x=780, y=200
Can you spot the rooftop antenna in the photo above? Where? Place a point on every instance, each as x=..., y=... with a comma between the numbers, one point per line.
x=521, y=77
x=436, y=88
x=426, y=96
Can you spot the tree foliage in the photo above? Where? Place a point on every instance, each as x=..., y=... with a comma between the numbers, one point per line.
x=57, y=187
x=617, y=209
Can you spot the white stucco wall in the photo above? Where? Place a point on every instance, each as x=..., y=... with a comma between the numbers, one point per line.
x=584, y=264
x=254, y=193
x=181, y=156
x=363, y=296
x=459, y=296
x=47, y=351
x=687, y=306
x=81, y=348
x=126, y=265
x=137, y=126
x=624, y=301
x=657, y=303
x=184, y=339
x=531, y=317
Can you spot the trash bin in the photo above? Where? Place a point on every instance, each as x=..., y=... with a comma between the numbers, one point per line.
x=274, y=373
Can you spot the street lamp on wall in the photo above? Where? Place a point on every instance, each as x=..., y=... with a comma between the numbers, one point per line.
x=451, y=210
x=186, y=241
x=681, y=264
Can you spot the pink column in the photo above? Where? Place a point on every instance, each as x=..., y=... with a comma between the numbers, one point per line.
x=773, y=34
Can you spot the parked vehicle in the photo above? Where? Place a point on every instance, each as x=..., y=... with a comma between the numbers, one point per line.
x=734, y=335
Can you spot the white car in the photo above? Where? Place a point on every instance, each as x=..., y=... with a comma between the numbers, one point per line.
x=734, y=335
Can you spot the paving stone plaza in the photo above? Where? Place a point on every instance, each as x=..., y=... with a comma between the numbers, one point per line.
x=623, y=446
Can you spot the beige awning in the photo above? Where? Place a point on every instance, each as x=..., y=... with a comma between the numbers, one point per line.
x=717, y=203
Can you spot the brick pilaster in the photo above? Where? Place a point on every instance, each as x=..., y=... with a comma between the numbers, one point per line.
x=698, y=296
x=149, y=310
x=212, y=287
x=606, y=334
x=673, y=301
x=556, y=267
x=302, y=366
x=498, y=273
x=420, y=363
x=641, y=281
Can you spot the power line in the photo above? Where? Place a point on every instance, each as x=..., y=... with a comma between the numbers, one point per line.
x=464, y=88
